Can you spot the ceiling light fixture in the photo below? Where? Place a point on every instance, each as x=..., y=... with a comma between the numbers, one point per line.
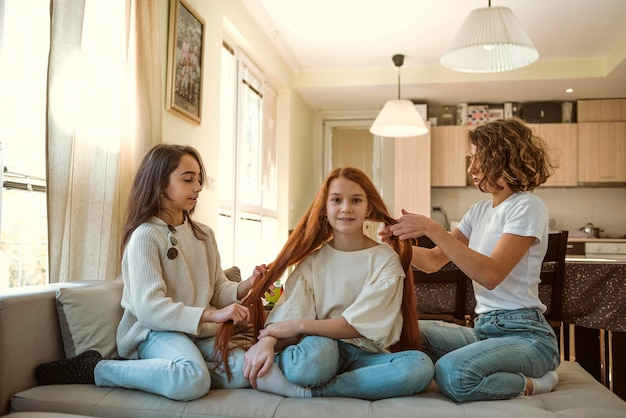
x=398, y=118
x=490, y=40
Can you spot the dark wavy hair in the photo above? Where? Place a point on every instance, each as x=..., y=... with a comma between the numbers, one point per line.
x=151, y=179
x=312, y=231
x=508, y=149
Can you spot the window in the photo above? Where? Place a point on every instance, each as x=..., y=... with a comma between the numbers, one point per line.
x=24, y=45
x=248, y=184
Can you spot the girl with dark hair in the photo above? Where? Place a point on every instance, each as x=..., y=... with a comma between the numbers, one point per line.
x=500, y=244
x=346, y=324
x=175, y=296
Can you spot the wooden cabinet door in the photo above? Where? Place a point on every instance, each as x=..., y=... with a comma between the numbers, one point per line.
x=562, y=141
x=603, y=110
x=411, y=188
x=601, y=152
x=448, y=156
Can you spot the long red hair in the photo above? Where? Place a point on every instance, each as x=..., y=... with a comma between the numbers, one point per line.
x=311, y=233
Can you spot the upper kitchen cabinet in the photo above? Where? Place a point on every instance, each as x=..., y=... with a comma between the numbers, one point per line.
x=562, y=141
x=601, y=152
x=601, y=110
x=448, y=156
x=601, y=141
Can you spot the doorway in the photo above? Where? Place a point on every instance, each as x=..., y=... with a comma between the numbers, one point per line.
x=396, y=164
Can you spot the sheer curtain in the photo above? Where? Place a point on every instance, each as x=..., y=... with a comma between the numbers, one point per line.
x=103, y=113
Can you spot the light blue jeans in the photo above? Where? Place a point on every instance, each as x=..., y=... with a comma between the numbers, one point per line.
x=335, y=368
x=492, y=360
x=173, y=365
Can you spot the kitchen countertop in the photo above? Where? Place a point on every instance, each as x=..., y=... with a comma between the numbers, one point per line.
x=594, y=295
x=592, y=260
x=596, y=240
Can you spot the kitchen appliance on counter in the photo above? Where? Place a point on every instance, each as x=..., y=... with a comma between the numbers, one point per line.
x=606, y=250
x=591, y=231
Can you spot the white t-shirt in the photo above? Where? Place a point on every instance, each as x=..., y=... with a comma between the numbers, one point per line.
x=521, y=214
x=365, y=287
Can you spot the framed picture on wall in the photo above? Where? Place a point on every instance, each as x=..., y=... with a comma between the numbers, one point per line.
x=184, y=62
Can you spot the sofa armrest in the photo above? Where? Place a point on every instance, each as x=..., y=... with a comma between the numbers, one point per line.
x=29, y=335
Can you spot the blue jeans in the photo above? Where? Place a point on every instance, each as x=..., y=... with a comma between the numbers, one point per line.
x=173, y=365
x=492, y=360
x=335, y=368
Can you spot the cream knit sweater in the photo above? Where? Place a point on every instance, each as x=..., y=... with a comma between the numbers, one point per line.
x=170, y=294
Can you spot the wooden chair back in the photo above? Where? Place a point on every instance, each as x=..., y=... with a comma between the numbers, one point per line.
x=553, y=275
x=447, y=280
x=550, y=289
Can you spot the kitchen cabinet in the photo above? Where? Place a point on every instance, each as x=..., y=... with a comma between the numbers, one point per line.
x=601, y=152
x=562, y=141
x=411, y=186
x=448, y=156
x=601, y=110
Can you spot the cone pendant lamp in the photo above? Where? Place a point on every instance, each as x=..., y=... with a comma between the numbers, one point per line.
x=398, y=118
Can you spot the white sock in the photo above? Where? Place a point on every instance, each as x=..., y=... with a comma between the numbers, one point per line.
x=545, y=383
x=275, y=382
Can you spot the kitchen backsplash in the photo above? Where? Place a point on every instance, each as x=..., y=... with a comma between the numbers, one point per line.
x=571, y=208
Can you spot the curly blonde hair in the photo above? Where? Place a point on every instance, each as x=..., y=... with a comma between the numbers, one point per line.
x=509, y=150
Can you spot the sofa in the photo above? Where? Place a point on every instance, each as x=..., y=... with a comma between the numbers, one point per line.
x=50, y=322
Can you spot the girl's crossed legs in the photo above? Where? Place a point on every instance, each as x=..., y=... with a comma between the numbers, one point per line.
x=335, y=368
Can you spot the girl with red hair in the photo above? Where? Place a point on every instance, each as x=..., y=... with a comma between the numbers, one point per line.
x=346, y=324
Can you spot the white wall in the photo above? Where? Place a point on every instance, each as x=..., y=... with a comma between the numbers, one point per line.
x=571, y=207
x=230, y=18
x=299, y=131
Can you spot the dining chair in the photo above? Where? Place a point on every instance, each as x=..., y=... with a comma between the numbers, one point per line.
x=442, y=294
x=551, y=286
x=449, y=285
x=454, y=286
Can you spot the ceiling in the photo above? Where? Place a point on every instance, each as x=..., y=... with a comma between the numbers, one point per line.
x=340, y=50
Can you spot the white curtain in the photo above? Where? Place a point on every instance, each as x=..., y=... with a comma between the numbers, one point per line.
x=104, y=112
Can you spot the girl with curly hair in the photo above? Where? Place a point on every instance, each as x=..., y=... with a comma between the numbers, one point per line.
x=500, y=244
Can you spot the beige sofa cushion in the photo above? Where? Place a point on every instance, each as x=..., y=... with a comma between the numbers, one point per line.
x=233, y=274
x=578, y=394
x=88, y=317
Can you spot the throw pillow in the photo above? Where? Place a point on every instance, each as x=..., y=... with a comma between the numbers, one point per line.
x=233, y=274
x=89, y=317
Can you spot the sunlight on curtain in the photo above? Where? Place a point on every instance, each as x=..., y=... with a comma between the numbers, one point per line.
x=92, y=88
x=101, y=79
